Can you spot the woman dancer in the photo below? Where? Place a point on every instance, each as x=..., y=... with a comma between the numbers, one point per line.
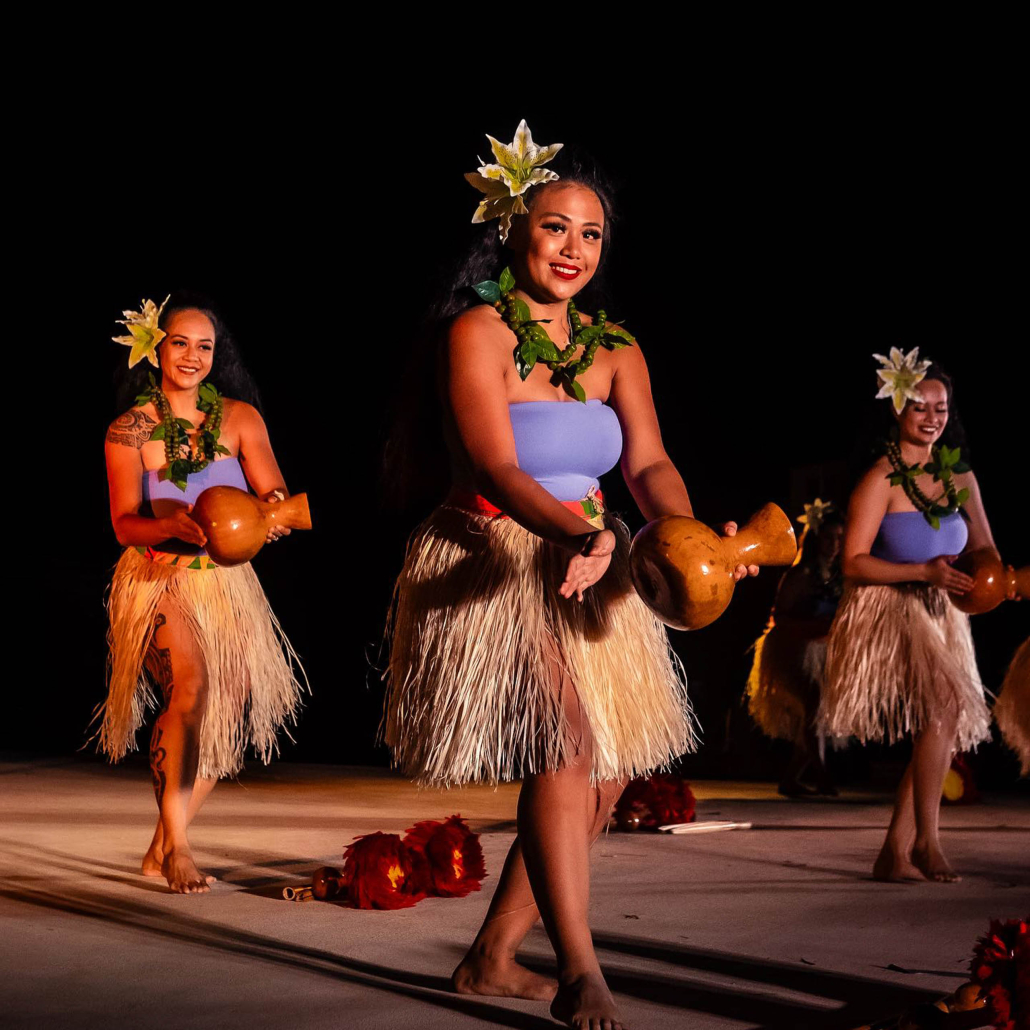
x=900, y=655
x=787, y=671
x=520, y=648
x=1012, y=709
x=201, y=634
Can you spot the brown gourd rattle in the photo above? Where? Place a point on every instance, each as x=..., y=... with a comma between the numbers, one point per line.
x=683, y=569
x=236, y=523
x=993, y=581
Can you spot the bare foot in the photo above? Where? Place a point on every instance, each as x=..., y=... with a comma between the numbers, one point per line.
x=155, y=855
x=500, y=978
x=894, y=868
x=182, y=874
x=933, y=865
x=153, y=860
x=586, y=1004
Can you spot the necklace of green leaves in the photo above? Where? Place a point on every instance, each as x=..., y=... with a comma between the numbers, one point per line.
x=535, y=345
x=175, y=432
x=944, y=463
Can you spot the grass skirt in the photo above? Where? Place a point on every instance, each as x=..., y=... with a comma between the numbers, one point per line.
x=783, y=686
x=900, y=658
x=252, y=686
x=481, y=636
x=1012, y=709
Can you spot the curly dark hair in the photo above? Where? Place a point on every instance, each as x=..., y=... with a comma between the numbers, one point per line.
x=415, y=461
x=228, y=373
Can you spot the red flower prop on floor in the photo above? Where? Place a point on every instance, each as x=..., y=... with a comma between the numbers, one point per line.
x=656, y=801
x=1001, y=966
x=959, y=785
x=453, y=855
x=380, y=871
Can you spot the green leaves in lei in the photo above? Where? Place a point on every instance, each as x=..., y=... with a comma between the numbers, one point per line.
x=944, y=463
x=535, y=345
x=174, y=432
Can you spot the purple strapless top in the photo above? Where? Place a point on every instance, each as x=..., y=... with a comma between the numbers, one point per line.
x=565, y=445
x=906, y=537
x=224, y=472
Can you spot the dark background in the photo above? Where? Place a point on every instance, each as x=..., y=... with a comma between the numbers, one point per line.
x=769, y=240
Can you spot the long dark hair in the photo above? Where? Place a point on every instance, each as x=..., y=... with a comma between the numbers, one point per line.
x=882, y=426
x=228, y=373
x=415, y=462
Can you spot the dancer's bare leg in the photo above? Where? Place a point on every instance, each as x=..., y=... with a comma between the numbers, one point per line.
x=931, y=757
x=489, y=967
x=154, y=858
x=557, y=814
x=894, y=863
x=177, y=662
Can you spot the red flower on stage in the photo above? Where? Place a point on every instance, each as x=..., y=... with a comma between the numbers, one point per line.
x=656, y=801
x=1001, y=966
x=380, y=871
x=453, y=855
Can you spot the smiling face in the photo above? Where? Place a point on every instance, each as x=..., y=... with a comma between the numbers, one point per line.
x=922, y=422
x=187, y=350
x=558, y=244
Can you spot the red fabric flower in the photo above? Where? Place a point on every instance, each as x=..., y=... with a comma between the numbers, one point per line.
x=658, y=800
x=380, y=871
x=1001, y=966
x=453, y=856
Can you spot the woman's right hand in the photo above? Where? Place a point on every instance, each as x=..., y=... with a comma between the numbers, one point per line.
x=587, y=567
x=939, y=573
x=183, y=528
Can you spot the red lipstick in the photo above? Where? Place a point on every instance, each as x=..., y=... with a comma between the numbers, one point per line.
x=566, y=272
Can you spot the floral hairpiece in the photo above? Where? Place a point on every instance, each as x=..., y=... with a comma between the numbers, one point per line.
x=144, y=334
x=517, y=168
x=815, y=514
x=900, y=375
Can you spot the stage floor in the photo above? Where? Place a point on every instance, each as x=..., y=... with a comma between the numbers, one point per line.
x=779, y=926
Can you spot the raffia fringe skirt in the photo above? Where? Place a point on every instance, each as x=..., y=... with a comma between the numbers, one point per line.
x=783, y=686
x=898, y=660
x=251, y=680
x=1012, y=709
x=481, y=637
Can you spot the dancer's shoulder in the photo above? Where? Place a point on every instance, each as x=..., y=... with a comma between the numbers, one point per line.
x=133, y=428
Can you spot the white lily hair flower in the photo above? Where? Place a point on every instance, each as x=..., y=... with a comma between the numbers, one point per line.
x=900, y=375
x=144, y=334
x=517, y=167
x=815, y=513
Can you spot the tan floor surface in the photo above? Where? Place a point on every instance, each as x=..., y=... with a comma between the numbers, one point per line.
x=779, y=926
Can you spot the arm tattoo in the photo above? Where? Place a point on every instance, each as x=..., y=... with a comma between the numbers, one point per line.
x=132, y=429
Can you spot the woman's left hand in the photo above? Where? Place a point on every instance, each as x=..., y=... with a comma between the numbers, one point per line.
x=274, y=531
x=730, y=529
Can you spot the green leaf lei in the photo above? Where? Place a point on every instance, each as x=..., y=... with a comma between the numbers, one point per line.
x=945, y=461
x=535, y=345
x=174, y=432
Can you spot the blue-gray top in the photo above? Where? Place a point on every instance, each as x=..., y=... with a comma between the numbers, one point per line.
x=158, y=492
x=566, y=445
x=906, y=537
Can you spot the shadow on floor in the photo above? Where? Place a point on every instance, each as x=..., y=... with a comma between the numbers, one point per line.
x=858, y=999
x=838, y=1000
x=191, y=931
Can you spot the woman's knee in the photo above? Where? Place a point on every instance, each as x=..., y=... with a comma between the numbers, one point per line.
x=186, y=696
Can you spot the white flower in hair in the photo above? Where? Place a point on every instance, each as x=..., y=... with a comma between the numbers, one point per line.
x=517, y=168
x=815, y=513
x=144, y=335
x=900, y=375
